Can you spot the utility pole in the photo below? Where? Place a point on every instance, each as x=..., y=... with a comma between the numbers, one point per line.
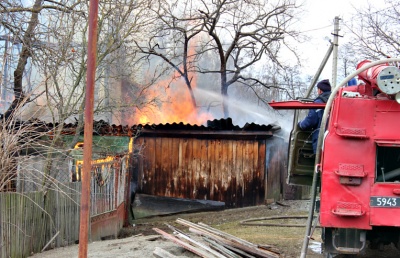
x=88, y=130
x=336, y=30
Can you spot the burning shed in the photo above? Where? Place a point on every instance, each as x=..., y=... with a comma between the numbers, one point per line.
x=220, y=162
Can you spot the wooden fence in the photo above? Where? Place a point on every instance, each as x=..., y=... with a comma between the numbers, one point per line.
x=33, y=221
x=30, y=220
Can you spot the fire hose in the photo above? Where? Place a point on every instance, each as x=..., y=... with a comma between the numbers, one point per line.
x=252, y=221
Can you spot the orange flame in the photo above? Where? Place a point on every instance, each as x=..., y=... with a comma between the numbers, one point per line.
x=176, y=106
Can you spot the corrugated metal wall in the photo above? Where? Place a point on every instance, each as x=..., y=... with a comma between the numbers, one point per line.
x=229, y=167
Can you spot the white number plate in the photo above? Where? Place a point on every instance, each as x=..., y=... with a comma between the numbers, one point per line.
x=378, y=201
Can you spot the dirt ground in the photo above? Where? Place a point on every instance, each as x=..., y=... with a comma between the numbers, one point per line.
x=140, y=240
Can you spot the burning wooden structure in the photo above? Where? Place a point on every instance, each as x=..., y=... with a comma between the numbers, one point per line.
x=188, y=167
x=240, y=166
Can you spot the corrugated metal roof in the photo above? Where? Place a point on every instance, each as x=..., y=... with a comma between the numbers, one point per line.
x=217, y=128
x=213, y=125
x=103, y=128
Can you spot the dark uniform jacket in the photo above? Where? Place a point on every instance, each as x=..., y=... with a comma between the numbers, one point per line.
x=313, y=119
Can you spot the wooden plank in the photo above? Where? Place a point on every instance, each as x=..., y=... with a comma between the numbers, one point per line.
x=196, y=168
x=225, y=238
x=47, y=224
x=253, y=146
x=158, y=181
x=225, y=251
x=211, y=157
x=137, y=160
x=224, y=171
x=66, y=215
x=231, y=184
x=258, y=185
x=49, y=242
x=238, y=248
x=2, y=244
x=31, y=229
x=203, y=190
x=117, y=179
x=261, y=171
x=185, y=188
x=185, y=237
x=10, y=219
x=189, y=167
x=185, y=245
x=226, y=235
x=238, y=166
x=247, y=174
x=148, y=184
x=274, y=172
x=152, y=164
x=238, y=251
x=218, y=170
x=76, y=212
x=2, y=228
x=73, y=212
x=175, y=172
x=19, y=215
x=181, y=170
x=12, y=234
x=164, y=162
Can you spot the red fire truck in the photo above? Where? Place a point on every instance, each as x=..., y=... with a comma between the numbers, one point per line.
x=357, y=165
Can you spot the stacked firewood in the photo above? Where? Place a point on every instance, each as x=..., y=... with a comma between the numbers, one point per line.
x=213, y=243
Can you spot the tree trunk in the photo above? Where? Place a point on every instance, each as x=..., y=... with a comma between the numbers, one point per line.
x=26, y=53
x=188, y=84
x=224, y=93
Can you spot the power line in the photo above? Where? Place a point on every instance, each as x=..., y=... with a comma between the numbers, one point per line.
x=321, y=28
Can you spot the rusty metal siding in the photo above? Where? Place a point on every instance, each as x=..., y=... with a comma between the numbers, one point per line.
x=228, y=170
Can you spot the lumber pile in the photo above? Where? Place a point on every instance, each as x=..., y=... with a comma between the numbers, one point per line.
x=213, y=243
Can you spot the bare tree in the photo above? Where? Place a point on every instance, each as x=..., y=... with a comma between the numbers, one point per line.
x=278, y=83
x=23, y=25
x=244, y=32
x=230, y=38
x=53, y=39
x=348, y=60
x=375, y=30
x=171, y=38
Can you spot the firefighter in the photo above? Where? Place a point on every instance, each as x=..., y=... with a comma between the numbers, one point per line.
x=313, y=120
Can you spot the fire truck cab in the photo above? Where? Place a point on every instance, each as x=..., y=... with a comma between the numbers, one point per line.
x=359, y=163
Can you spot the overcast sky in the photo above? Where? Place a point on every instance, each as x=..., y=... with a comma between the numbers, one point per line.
x=318, y=23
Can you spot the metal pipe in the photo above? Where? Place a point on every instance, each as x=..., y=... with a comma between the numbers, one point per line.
x=319, y=71
x=320, y=139
x=388, y=175
x=88, y=129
